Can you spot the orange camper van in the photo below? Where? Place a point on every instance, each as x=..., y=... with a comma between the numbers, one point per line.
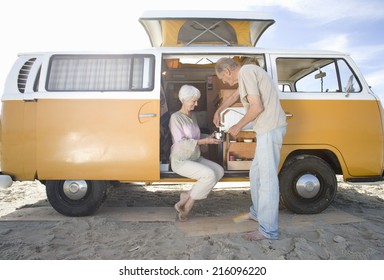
x=80, y=122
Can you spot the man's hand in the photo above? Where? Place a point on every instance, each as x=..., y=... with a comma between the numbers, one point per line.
x=255, y=109
x=216, y=119
x=234, y=130
x=226, y=103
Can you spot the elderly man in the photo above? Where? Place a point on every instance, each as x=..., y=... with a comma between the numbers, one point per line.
x=259, y=96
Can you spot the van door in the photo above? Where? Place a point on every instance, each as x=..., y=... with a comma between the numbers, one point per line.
x=334, y=127
x=330, y=108
x=98, y=118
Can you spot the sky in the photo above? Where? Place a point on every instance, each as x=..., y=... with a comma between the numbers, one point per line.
x=352, y=26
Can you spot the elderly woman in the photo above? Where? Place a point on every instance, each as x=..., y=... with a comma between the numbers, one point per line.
x=185, y=153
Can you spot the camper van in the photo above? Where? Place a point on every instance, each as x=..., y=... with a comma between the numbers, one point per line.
x=82, y=122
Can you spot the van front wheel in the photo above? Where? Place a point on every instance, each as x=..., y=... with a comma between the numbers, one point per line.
x=307, y=185
x=76, y=197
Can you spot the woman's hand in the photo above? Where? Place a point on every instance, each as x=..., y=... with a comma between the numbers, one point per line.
x=209, y=140
x=214, y=141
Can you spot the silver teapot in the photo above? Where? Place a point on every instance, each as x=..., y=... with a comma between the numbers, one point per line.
x=219, y=135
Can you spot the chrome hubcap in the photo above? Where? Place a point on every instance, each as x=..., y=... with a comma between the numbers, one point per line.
x=75, y=190
x=308, y=186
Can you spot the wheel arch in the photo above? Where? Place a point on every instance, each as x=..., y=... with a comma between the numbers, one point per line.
x=327, y=155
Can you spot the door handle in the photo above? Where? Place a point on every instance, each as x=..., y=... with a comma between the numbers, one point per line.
x=289, y=115
x=151, y=115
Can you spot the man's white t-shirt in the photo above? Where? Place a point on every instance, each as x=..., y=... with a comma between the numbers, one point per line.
x=254, y=80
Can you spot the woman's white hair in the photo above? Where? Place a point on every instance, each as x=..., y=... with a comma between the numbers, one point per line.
x=188, y=92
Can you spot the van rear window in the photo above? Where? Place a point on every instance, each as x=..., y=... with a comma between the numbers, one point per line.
x=101, y=73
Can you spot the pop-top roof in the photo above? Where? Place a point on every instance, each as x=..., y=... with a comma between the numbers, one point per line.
x=187, y=28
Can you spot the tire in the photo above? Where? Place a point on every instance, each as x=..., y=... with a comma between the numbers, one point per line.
x=76, y=198
x=308, y=185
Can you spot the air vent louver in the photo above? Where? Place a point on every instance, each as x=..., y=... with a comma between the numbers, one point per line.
x=23, y=74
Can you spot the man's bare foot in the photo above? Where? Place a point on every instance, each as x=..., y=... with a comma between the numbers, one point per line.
x=254, y=236
x=242, y=218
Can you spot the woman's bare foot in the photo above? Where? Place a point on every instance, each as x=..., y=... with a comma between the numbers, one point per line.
x=254, y=236
x=180, y=213
x=184, y=206
x=182, y=217
x=184, y=196
x=179, y=206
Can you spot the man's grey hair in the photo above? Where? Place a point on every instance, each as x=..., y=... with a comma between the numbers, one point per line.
x=224, y=63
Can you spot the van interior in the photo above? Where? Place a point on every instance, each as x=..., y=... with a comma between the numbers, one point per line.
x=199, y=71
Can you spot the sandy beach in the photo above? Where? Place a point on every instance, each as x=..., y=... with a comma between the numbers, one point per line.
x=138, y=222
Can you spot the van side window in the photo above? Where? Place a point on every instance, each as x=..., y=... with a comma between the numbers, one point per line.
x=316, y=75
x=101, y=73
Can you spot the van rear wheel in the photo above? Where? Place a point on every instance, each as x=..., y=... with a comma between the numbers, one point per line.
x=307, y=185
x=76, y=197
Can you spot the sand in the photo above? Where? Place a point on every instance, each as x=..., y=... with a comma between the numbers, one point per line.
x=138, y=222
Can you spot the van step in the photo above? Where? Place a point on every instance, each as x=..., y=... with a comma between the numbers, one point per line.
x=227, y=174
x=366, y=181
